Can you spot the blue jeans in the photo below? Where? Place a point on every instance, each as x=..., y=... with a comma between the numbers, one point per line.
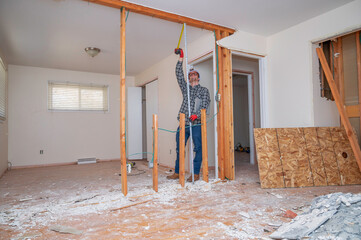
x=197, y=140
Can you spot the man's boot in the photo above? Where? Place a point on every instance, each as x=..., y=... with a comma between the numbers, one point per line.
x=196, y=177
x=174, y=176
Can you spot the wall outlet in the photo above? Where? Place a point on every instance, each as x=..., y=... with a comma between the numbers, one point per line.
x=41, y=151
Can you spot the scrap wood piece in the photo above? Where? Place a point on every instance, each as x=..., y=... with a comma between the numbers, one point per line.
x=329, y=157
x=349, y=171
x=294, y=156
x=130, y=205
x=268, y=157
x=315, y=157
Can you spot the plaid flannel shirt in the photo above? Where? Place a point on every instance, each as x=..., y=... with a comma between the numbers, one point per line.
x=199, y=96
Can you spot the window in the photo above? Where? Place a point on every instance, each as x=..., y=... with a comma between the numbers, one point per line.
x=2, y=91
x=77, y=97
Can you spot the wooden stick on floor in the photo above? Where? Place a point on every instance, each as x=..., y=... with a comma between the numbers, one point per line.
x=341, y=108
x=204, y=145
x=181, y=148
x=155, y=157
x=123, y=160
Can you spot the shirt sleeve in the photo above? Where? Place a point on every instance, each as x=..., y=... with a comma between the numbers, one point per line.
x=180, y=77
x=205, y=101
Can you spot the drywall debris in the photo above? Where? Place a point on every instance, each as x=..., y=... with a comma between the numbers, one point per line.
x=244, y=214
x=336, y=215
x=275, y=194
x=85, y=199
x=28, y=236
x=274, y=224
x=65, y=229
x=26, y=199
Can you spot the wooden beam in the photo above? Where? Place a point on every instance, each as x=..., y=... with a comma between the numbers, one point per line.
x=358, y=57
x=220, y=125
x=161, y=14
x=339, y=65
x=228, y=112
x=155, y=153
x=204, y=145
x=322, y=76
x=122, y=105
x=334, y=62
x=181, y=148
x=341, y=109
x=353, y=111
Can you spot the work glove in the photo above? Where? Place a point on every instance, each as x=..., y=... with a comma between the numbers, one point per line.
x=179, y=51
x=193, y=117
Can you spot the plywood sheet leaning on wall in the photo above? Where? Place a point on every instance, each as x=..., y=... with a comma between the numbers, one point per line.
x=296, y=165
x=298, y=157
x=329, y=157
x=349, y=170
x=315, y=157
x=270, y=171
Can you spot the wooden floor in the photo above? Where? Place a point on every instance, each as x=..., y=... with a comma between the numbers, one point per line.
x=87, y=198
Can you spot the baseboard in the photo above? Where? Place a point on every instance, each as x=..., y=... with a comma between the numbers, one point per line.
x=44, y=165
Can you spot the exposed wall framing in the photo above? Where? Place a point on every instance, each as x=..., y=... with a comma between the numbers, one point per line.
x=225, y=114
x=341, y=108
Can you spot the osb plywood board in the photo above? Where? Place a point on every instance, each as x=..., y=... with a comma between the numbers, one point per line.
x=349, y=170
x=294, y=157
x=329, y=157
x=298, y=157
x=270, y=169
x=315, y=157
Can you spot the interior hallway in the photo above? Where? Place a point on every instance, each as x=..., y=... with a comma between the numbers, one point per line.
x=85, y=197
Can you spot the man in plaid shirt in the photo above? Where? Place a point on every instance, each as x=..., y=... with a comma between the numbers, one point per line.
x=199, y=99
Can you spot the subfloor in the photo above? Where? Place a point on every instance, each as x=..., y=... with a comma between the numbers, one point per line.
x=88, y=200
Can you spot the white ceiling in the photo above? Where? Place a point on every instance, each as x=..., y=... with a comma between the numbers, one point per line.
x=54, y=33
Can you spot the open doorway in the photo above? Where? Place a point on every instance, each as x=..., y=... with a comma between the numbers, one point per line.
x=246, y=108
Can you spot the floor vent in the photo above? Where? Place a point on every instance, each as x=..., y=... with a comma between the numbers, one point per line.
x=87, y=160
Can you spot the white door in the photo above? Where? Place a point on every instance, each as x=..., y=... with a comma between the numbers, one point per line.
x=151, y=93
x=134, y=123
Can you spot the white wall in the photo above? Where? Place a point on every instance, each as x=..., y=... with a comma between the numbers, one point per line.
x=294, y=89
x=64, y=136
x=3, y=141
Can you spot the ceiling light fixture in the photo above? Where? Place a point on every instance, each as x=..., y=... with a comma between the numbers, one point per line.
x=92, y=51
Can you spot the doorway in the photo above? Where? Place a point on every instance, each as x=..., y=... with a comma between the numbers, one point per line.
x=246, y=108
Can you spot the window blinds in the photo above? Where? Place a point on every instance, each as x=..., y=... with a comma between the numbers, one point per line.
x=2, y=91
x=77, y=97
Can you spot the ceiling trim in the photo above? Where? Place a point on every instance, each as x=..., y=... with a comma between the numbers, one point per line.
x=162, y=15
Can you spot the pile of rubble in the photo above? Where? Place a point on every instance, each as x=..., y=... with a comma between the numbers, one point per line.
x=333, y=216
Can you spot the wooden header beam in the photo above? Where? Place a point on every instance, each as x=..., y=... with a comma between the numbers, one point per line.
x=161, y=14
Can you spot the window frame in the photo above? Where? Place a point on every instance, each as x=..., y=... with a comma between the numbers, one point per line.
x=3, y=118
x=79, y=86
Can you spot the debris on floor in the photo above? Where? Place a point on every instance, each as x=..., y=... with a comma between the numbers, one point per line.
x=333, y=216
x=65, y=229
